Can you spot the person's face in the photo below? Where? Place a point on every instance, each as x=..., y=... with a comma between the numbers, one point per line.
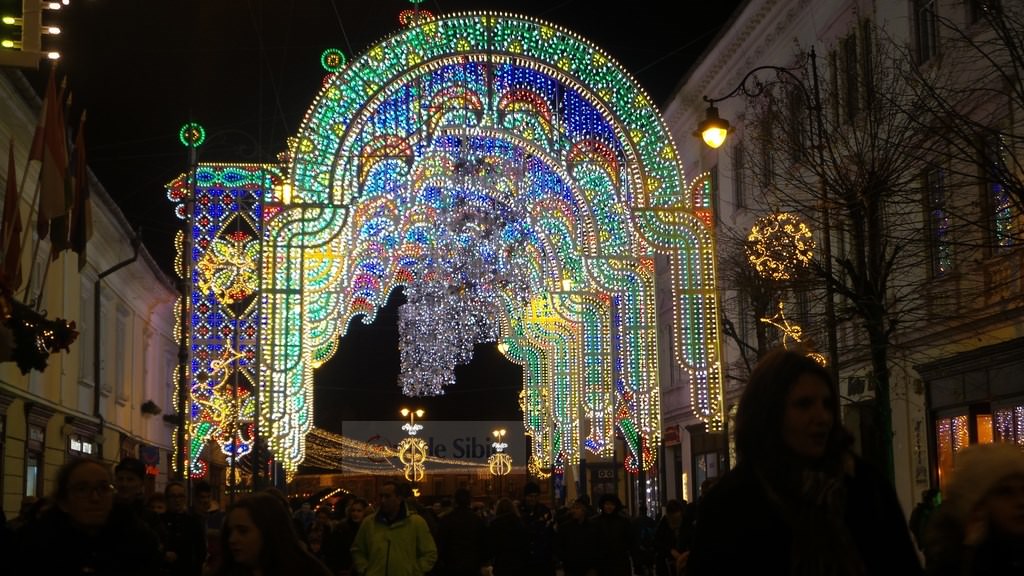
x=1005, y=504
x=158, y=506
x=608, y=507
x=808, y=417
x=244, y=538
x=389, y=500
x=176, y=500
x=578, y=510
x=203, y=500
x=90, y=495
x=356, y=512
x=129, y=485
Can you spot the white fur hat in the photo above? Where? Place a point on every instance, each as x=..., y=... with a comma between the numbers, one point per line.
x=978, y=469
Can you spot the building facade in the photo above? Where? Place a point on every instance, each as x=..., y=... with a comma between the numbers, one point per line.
x=103, y=397
x=954, y=351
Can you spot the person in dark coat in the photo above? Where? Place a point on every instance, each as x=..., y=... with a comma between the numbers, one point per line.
x=82, y=534
x=463, y=548
x=672, y=539
x=338, y=547
x=576, y=542
x=613, y=538
x=539, y=523
x=799, y=502
x=508, y=541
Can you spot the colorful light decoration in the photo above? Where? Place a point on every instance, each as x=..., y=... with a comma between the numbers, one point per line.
x=226, y=222
x=537, y=129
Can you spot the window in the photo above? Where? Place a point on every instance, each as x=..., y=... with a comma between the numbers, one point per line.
x=976, y=9
x=743, y=315
x=996, y=200
x=34, y=460
x=926, y=30
x=79, y=445
x=797, y=107
x=767, y=172
x=123, y=354
x=1008, y=424
x=851, y=78
x=867, y=62
x=938, y=224
x=86, y=362
x=738, y=166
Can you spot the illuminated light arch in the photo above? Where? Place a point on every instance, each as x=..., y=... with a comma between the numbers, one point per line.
x=531, y=119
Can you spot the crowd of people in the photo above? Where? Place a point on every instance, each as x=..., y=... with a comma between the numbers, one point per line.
x=799, y=502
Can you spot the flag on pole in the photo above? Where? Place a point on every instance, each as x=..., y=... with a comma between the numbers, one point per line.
x=53, y=192
x=10, y=228
x=81, y=212
x=60, y=225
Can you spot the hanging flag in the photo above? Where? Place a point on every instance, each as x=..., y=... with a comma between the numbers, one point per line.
x=10, y=228
x=53, y=192
x=81, y=212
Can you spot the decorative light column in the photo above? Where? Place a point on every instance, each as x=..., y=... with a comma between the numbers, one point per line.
x=412, y=451
x=499, y=463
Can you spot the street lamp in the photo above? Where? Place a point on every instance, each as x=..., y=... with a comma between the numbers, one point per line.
x=714, y=129
x=412, y=427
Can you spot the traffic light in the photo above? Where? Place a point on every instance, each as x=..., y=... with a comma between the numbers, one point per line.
x=22, y=29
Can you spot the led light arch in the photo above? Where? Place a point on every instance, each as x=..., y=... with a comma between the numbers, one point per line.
x=548, y=132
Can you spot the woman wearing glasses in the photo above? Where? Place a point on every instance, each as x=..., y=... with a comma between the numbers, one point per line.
x=79, y=535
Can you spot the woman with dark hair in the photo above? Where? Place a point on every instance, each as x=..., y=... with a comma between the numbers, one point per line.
x=89, y=538
x=508, y=541
x=799, y=502
x=259, y=539
x=338, y=547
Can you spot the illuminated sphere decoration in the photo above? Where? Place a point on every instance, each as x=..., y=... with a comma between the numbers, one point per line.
x=333, y=60
x=779, y=245
x=192, y=135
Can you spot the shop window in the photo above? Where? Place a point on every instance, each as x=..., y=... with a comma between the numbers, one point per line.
x=1008, y=424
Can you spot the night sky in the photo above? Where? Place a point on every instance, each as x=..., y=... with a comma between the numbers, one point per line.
x=248, y=69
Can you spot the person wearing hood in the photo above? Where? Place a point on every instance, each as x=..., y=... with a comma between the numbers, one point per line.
x=979, y=527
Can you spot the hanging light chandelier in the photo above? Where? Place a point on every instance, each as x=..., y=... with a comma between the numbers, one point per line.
x=453, y=299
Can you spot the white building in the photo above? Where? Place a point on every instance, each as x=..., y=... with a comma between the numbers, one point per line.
x=953, y=377
x=78, y=407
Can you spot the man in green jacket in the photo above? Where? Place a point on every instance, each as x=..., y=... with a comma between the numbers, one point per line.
x=393, y=541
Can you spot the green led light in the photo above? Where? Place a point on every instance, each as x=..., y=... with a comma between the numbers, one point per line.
x=192, y=135
x=333, y=60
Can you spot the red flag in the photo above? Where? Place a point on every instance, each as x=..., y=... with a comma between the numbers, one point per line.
x=81, y=212
x=53, y=197
x=10, y=228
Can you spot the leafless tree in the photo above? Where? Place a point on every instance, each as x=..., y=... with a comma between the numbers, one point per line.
x=846, y=152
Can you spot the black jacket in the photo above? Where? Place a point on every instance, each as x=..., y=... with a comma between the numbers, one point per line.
x=739, y=530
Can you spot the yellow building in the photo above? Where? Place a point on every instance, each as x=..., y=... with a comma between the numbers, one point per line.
x=105, y=395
